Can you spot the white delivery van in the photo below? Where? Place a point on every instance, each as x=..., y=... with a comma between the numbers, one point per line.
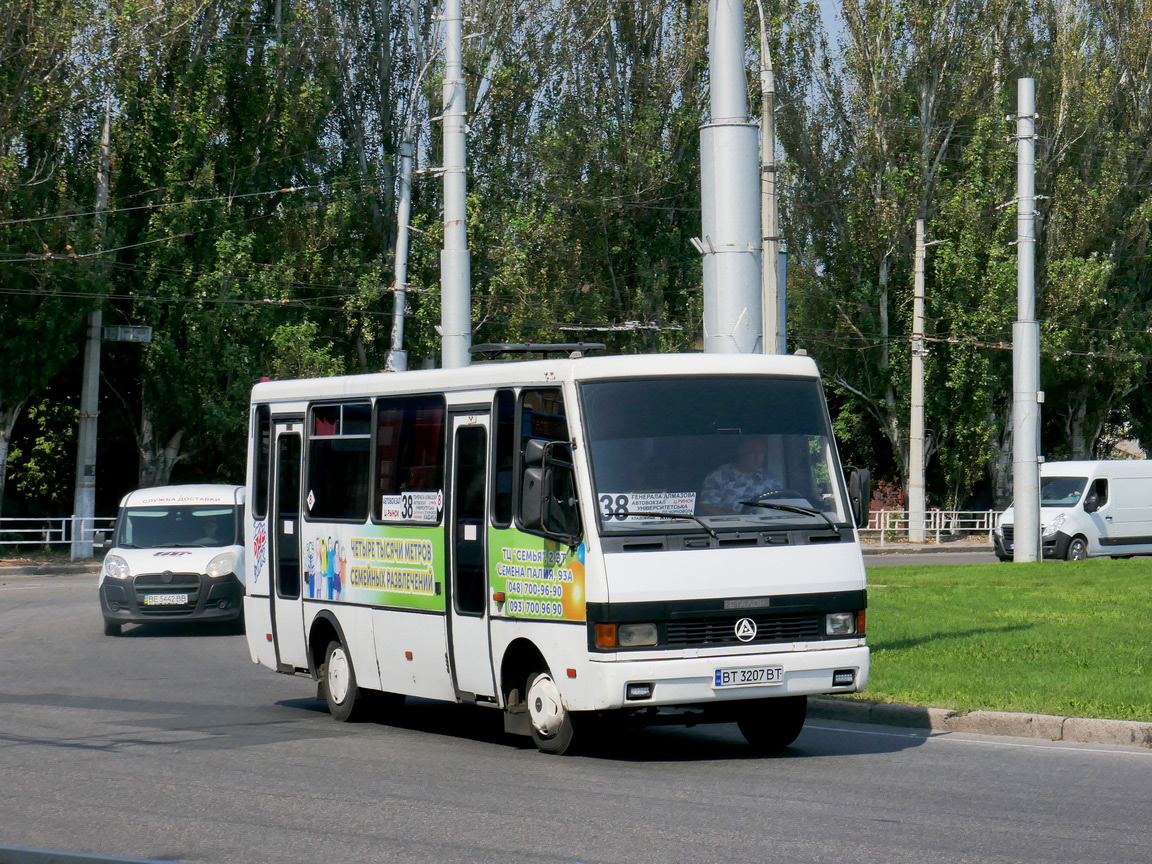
x=1089, y=509
x=177, y=554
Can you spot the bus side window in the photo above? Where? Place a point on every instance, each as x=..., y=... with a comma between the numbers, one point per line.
x=410, y=444
x=504, y=442
x=262, y=430
x=339, y=445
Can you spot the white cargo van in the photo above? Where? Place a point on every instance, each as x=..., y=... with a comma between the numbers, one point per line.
x=1089, y=509
x=177, y=554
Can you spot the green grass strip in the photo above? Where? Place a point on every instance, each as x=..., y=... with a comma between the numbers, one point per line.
x=1066, y=638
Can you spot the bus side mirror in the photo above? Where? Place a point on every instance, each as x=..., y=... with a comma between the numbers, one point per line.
x=860, y=494
x=1091, y=502
x=548, y=491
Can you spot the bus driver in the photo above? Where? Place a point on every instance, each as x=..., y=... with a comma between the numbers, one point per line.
x=745, y=479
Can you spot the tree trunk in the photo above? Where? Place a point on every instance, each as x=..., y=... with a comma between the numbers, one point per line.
x=156, y=460
x=8, y=420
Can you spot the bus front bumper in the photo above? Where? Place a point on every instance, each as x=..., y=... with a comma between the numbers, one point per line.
x=625, y=683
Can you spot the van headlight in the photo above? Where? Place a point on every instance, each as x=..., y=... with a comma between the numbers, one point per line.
x=1055, y=525
x=840, y=624
x=222, y=564
x=116, y=567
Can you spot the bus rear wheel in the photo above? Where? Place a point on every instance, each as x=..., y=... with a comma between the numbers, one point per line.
x=549, y=721
x=338, y=682
x=770, y=725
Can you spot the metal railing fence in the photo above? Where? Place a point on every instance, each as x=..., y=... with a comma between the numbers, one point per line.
x=40, y=531
x=892, y=525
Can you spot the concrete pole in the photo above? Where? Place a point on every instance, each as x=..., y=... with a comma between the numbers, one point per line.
x=84, y=502
x=769, y=203
x=730, y=199
x=397, y=359
x=917, y=503
x=455, y=260
x=1026, y=339
x=783, y=315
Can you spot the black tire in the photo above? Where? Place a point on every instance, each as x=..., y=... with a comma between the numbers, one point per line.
x=548, y=720
x=770, y=725
x=1077, y=549
x=111, y=628
x=338, y=684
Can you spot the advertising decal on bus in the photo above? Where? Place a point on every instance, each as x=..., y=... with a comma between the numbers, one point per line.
x=539, y=578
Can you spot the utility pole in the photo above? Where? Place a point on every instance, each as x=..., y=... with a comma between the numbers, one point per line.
x=84, y=503
x=769, y=202
x=1026, y=338
x=455, y=261
x=916, y=497
x=730, y=203
x=397, y=359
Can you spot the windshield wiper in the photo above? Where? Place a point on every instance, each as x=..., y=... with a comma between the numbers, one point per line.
x=664, y=514
x=792, y=508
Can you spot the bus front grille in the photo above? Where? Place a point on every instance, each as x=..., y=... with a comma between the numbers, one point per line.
x=721, y=630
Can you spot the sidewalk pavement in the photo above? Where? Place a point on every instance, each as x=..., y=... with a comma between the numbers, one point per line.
x=898, y=547
x=1039, y=726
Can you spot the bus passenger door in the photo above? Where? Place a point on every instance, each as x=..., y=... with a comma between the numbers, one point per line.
x=287, y=607
x=469, y=639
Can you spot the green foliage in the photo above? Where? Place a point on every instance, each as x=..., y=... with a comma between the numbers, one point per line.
x=251, y=217
x=46, y=471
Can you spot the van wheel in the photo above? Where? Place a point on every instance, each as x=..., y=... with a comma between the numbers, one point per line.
x=770, y=725
x=338, y=684
x=111, y=628
x=549, y=721
x=1078, y=549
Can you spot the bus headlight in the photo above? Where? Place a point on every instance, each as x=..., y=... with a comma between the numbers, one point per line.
x=840, y=624
x=222, y=565
x=1055, y=525
x=116, y=567
x=636, y=635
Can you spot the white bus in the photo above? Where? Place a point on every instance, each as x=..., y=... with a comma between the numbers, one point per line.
x=551, y=538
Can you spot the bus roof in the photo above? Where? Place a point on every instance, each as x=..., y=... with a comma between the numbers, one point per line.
x=522, y=372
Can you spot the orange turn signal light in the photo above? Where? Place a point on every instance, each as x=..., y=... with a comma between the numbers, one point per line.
x=605, y=635
x=860, y=621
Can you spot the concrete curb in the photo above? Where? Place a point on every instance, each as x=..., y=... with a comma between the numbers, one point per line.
x=1040, y=726
x=900, y=547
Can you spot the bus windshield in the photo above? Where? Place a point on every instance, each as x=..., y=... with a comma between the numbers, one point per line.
x=735, y=451
x=1061, y=491
x=160, y=527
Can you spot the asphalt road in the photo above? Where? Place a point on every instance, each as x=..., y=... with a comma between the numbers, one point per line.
x=170, y=744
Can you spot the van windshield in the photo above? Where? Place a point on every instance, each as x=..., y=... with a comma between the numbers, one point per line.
x=1061, y=491
x=724, y=451
x=162, y=527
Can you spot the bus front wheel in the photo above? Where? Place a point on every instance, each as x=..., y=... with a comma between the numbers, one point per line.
x=548, y=719
x=770, y=725
x=338, y=683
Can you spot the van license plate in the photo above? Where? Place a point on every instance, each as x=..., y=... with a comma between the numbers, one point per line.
x=165, y=599
x=752, y=676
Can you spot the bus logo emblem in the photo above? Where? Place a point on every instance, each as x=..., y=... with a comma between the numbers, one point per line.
x=745, y=629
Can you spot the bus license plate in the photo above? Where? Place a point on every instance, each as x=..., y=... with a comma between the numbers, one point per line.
x=752, y=676
x=165, y=599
